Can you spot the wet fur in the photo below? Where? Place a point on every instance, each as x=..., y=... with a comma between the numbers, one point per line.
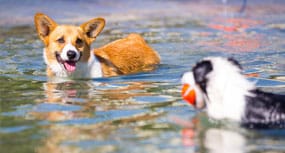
x=264, y=110
x=229, y=95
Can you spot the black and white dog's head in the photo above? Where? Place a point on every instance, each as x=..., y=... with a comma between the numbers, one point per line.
x=220, y=87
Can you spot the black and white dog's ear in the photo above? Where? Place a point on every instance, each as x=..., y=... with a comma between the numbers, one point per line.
x=200, y=71
x=235, y=62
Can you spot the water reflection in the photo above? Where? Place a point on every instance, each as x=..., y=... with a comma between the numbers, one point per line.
x=80, y=113
x=228, y=137
x=101, y=136
x=224, y=141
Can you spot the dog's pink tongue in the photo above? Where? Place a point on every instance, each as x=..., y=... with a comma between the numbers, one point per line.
x=70, y=66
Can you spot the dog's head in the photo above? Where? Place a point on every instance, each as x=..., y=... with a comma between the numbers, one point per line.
x=220, y=86
x=65, y=45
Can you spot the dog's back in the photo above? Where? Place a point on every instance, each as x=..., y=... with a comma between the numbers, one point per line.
x=128, y=55
x=264, y=110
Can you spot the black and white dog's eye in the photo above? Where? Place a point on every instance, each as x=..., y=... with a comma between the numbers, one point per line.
x=201, y=70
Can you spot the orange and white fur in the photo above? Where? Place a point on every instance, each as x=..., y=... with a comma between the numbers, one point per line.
x=67, y=51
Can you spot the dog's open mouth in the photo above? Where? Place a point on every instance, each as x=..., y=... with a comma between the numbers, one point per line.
x=69, y=65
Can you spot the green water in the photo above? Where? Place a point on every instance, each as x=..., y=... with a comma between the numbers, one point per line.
x=140, y=112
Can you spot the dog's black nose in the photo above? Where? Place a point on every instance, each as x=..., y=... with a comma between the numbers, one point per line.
x=71, y=54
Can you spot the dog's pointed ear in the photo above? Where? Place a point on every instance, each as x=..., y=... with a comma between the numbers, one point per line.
x=44, y=26
x=235, y=62
x=93, y=28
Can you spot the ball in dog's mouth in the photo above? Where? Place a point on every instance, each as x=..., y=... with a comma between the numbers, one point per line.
x=69, y=65
x=189, y=94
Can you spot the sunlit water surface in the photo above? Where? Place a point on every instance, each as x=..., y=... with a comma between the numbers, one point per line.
x=140, y=112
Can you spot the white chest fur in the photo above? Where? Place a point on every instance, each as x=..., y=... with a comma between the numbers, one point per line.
x=91, y=69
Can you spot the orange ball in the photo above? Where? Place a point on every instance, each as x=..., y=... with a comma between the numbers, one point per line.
x=188, y=94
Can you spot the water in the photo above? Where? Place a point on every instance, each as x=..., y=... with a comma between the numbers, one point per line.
x=140, y=112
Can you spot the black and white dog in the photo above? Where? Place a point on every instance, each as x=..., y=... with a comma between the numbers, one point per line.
x=221, y=87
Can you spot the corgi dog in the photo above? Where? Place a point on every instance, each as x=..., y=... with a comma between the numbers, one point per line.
x=226, y=93
x=67, y=50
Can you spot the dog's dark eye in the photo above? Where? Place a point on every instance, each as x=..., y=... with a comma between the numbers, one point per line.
x=60, y=40
x=79, y=41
